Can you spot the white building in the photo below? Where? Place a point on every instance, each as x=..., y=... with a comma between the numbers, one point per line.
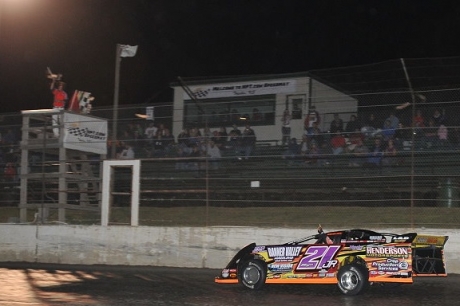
x=221, y=102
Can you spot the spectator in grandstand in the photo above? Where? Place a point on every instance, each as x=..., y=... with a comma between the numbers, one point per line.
x=371, y=127
x=194, y=160
x=336, y=124
x=358, y=152
x=312, y=118
x=419, y=120
x=352, y=125
x=169, y=142
x=443, y=134
x=286, y=127
x=355, y=136
x=338, y=143
x=221, y=138
x=430, y=135
x=372, y=122
x=438, y=117
x=303, y=146
x=401, y=135
x=194, y=137
x=293, y=150
x=161, y=128
x=248, y=141
x=313, y=157
x=390, y=154
x=234, y=140
x=182, y=138
x=213, y=152
x=394, y=121
x=150, y=132
x=127, y=152
x=388, y=131
x=374, y=157
x=314, y=134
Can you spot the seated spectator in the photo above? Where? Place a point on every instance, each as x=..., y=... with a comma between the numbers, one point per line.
x=352, y=126
x=371, y=127
x=313, y=157
x=221, y=138
x=194, y=160
x=336, y=124
x=430, y=135
x=438, y=117
x=213, y=152
x=388, y=131
x=390, y=154
x=127, y=152
x=443, y=134
x=418, y=122
x=293, y=149
x=338, y=143
x=402, y=134
x=394, y=121
x=359, y=153
x=303, y=146
x=150, y=132
x=183, y=137
x=374, y=157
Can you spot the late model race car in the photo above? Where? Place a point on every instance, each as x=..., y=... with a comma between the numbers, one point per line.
x=352, y=259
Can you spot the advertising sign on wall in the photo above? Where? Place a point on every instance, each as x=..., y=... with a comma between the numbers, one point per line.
x=85, y=133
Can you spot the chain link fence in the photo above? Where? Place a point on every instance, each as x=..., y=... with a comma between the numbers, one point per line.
x=394, y=163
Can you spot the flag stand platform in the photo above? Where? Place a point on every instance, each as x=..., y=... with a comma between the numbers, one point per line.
x=61, y=160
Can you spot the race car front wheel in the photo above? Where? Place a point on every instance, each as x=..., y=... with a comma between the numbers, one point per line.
x=353, y=279
x=252, y=274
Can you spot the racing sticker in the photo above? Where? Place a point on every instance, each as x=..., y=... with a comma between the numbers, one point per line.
x=280, y=267
x=318, y=257
x=390, y=265
x=284, y=253
x=387, y=251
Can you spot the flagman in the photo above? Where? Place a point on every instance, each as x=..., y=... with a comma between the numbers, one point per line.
x=59, y=101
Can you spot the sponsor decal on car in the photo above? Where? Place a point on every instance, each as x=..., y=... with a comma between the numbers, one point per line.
x=285, y=267
x=390, y=265
x=285, y=253
x=387, y=251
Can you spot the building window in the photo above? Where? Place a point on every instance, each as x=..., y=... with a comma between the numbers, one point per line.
x=258, y=110
x=294, y=103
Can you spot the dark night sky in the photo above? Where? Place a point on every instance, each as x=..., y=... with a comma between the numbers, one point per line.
x=196, y=38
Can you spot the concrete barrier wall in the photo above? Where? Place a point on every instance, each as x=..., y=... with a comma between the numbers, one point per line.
x=194, y=247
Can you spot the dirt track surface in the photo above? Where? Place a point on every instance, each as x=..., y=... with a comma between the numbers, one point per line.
x=51, y=284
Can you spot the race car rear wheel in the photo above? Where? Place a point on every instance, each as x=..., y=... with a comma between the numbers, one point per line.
x=353, y=279
x=252, y=274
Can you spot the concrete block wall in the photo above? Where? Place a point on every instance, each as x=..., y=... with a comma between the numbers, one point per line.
x=193, y=247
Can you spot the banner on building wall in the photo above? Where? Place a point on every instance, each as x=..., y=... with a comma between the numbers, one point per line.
x=85, y=133
x=242, y=89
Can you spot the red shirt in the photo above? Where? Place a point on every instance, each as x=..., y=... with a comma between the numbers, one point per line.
x=60, y=97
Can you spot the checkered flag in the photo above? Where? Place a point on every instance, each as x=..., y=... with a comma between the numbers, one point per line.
x=76, y=131
x=200, y=93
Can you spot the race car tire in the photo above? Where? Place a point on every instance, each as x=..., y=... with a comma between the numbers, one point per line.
x=353, y=279
x=252, y=274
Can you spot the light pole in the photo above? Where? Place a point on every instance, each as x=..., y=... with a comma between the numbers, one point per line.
x=121, y=51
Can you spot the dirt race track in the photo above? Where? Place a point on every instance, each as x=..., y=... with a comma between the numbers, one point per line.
x=51, y=284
